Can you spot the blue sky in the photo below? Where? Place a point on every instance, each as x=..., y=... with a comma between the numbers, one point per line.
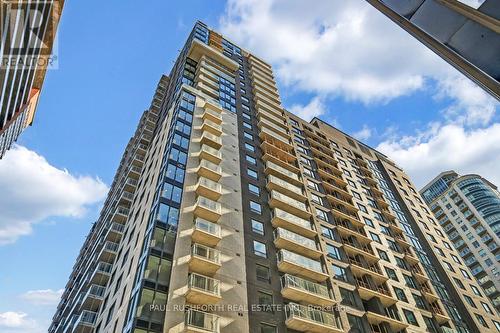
x=342, y=62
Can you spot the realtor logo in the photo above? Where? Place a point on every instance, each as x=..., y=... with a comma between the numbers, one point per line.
x=27, y=32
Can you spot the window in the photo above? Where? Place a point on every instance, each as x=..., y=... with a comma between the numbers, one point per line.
x=259, y=249
x=251, y=159
x=248, y=136
x=252, y=173
x=249, y=147
x=455, y=259
x=449, y=266
x=385, y=230
x=464, y=273
x=497, y=325
x=400, y=294
x=265, y=300
x=255, y=207
x=375, y=237
x=356, y=324
x=339, y=273
x=391, y=274
x=312, y=185
x=254, y=189
x=362, y=208
x=481, y=320
x=410, y=281
x=316, y=199
x=309, y=172
x=419, y=301
x=257, y=227
x=356, y=195
x=383, y=255
x=347, y=297
x=368, y=222
x=410, y=317
x=327, y=232
x=470, y=301
x=110, y=313
x=262, y=273
x=486, y=308
x=266, y=328
x=321, y=215
x=333, y=251
x=441, y=253
x=246, y=115
x=475, y=290
x=459, y=283
x=247, y=125
x=171, y=192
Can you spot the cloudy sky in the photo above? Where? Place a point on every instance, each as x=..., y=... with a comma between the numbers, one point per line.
x=339, y=60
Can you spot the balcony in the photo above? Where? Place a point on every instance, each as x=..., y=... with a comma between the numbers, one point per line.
x=281, y=172
x=368, y=290
x=120, y=215
x=210, y=154
x=418, y=273
x=360, y=269
x=275, y=183
x=134, y=172
x=271, y=135
x=209, y=170
x=293, y=223
x=394, y=323
x=204, y=260
x=211, y=127
x=207, y=209
x=271, y=117
x=346, y=229
x=126, y=198
x=212, y=113
x=208, y=188
x=108, y=252
x=301, y=290
x=202, y=290
x=428, y=294
x=296, y=264
x=341, y=212
x=206, y=233
x=353, y=248
x=201, y=322
x=93, y=298
x=285, y=239
x=279, y=152
x=85, y=322
x=306, y=319
x=211, y=140
x=130, y=185
x=438, y=313
x=101, y=273
x=115, y=232
x=281, y=201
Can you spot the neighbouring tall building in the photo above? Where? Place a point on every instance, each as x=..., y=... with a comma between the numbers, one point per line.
x=466, y=37
x=230, y=214
x=468, y=209
x=27, y=32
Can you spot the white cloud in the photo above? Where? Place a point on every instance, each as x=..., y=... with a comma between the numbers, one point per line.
x=470, y=105
x=333, y=47
x=43, y=297
x=426, y=154
x=363, y=134
x=11, y=319
x=314, y=108
x=33, y=190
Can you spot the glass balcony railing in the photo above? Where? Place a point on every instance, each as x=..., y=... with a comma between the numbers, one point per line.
x=205, y=252
x=204, y=283
x=104, y=267
x=207, y=227
x=209, y=204
x=296, y=238
x=211, y=166
x=297, y=259
x=289, y=201
x=284, y=184
x=291, y=281
x=211, y=139
x=215, y=127
x=280, y=169
x=202, y=321
x=87, y=318
x=96, y=291
x=281, y=214
x=310, y=314
x=110, y=246
x=210, y=184
x=210, y=153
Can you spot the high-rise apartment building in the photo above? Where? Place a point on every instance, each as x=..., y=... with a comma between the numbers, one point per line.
x=466, y=37
x=468, y=209
x=27, y=32
x=246, y=218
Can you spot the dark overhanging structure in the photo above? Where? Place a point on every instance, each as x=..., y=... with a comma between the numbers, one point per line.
x=467, y=38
